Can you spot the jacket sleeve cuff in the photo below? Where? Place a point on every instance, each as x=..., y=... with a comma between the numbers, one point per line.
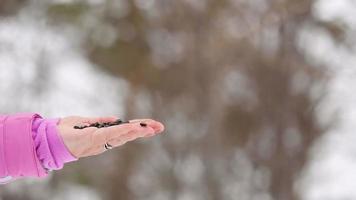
x=17, y=149
x=50, y=148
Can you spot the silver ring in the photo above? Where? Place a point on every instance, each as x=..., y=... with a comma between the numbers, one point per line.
x=108, y=146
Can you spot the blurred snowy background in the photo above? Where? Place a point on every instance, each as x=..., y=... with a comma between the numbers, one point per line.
x=256, y=95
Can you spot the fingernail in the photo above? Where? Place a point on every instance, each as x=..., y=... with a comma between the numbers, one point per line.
x=143, y=124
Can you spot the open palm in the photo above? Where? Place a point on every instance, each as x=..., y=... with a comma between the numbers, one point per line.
x=90, y=141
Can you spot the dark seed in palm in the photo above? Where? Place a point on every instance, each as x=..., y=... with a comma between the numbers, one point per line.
x=104, y=124
x=143, y=124
x=117, y=122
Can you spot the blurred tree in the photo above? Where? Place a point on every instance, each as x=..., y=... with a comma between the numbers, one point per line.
x=255, y=39
x=9, y=7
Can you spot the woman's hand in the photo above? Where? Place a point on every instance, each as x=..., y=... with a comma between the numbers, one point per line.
x=90, y=141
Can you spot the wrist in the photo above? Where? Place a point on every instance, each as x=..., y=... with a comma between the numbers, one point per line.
x=58, y=146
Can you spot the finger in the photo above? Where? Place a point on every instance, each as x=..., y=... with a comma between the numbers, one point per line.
x=101, y=136
x=134, y=134
x=157, y=126
x=117, y=131
x=130, y=136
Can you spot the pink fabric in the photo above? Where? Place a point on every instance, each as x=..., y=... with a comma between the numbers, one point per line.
x=50, y=148
x=30, y=146
x=17, y=151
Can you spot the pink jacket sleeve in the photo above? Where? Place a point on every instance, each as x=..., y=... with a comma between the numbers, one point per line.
x=30, y=147
x=17, y=150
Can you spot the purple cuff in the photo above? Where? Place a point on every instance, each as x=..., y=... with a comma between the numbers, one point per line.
x=50, y=148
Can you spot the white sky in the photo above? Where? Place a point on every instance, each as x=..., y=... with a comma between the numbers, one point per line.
x=70, y=84
x=331, y=174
